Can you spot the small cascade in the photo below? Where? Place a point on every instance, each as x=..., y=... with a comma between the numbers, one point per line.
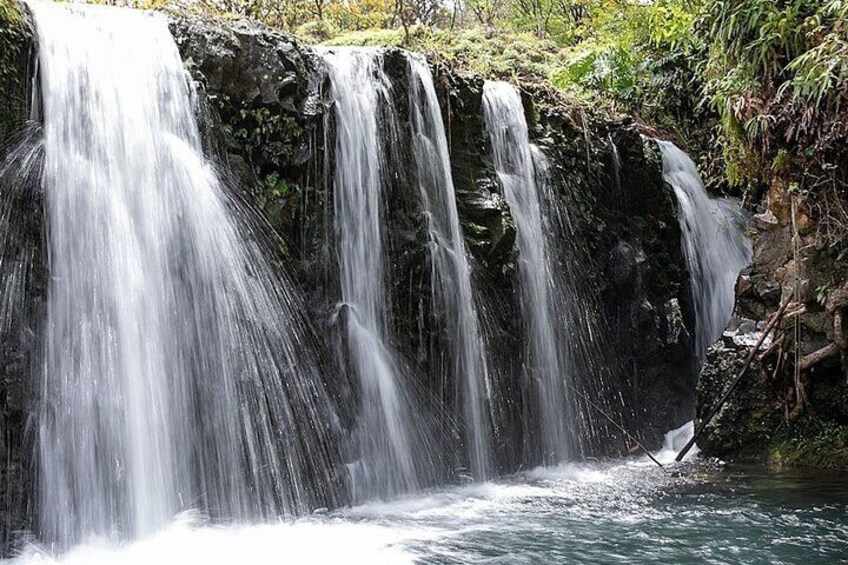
x=451, y=272
x=715, y=245
x=547, y=368
x=365, y=126
x=616, y=170
x=177, y=369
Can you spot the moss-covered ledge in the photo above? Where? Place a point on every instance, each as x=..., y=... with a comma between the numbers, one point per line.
x=756, y=426
x=16, y=40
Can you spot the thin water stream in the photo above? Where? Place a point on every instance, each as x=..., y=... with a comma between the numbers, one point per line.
x=715, y=245
x=451, y=271
x=384, y=442
x=547, y=371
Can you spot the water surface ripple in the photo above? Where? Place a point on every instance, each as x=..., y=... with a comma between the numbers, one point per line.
x=604, y=513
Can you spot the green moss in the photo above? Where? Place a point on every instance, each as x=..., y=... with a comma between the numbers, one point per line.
x=14, y=38
x=753, y=425
x=502, y=54
x=266, y=138
x=317, y=31
x=369, y=38
x=11, y=13
x=824, y=447
x=276, y=187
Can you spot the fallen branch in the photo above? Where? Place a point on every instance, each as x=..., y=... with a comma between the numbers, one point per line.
x=724, y=398
x=779, y=364
x=800, y=310
x=818, y=356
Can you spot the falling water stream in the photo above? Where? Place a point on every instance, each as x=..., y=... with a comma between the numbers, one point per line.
x=365, y=125
x=450, y=267
x=715, y=245
x=176, y=371
x=546, y=368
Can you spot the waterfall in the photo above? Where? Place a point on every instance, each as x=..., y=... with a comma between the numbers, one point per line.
x=715, y=245
x=616, y=171
x=177, y=371
x=365, y=126
x=450, y=267
x=546, y=364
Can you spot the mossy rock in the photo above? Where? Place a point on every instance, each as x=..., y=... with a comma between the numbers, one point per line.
x=753, y=426
x=16, y=38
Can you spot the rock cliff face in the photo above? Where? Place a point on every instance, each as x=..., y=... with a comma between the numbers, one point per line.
x=22, y=270
x=16, y=41
x=265, y=91
x=263, y=114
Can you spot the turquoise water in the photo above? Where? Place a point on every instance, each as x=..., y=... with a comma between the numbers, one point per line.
x=605, y=513
x=633, y=514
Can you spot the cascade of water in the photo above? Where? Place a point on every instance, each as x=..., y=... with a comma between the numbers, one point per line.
x=365, y=126
x=616, y=168
x=546, y=364
x=177, y=370
x=453, y=289
x=715, y=245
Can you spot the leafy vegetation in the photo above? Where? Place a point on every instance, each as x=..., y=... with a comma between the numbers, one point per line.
x=513, y=55
x=776, y=75
x=628, y=56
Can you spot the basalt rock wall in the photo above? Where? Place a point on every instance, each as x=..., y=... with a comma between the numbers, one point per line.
x=622, y=236
x=263, y=111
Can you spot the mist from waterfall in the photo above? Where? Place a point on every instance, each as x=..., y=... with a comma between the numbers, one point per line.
x=177, y=368
x=715, y=245
x=452, y=290
x=547, y=367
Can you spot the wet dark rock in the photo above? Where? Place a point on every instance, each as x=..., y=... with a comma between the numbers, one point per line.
x=22, y=262
x=486, y=220
x=263, y=116
x=17, y=39
x=747, y=326
x=762, y=422
x=251, y=64
x=623, y=266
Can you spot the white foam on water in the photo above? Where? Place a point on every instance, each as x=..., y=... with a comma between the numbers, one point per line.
x=186, y=542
